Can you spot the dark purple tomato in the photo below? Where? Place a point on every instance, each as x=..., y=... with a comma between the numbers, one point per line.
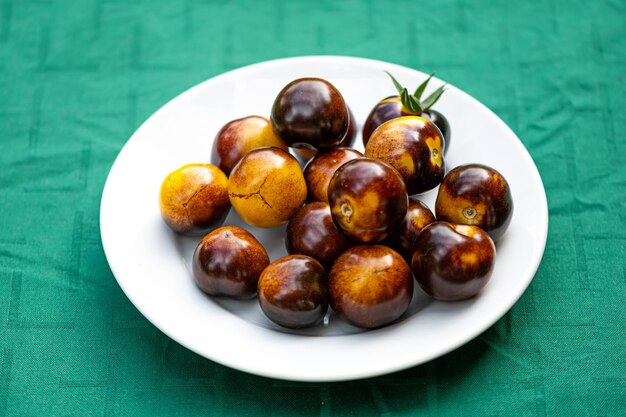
x=310, y=113
x=391, y=108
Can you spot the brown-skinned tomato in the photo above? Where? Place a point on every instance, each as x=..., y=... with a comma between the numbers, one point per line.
x=478, y=195
x=370, y=286
x=228, y=262
x=367, y=199
x=320, y=169
x=293, y=291
x=238, y=137
x=312, y=232
x=418, y=216
x=452, y=261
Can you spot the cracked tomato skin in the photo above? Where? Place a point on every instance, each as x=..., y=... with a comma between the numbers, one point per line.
x=367, y=199
x=412, y=145
x=194, y=199
x=228, y=262
x=370, y=286
x=267, y=187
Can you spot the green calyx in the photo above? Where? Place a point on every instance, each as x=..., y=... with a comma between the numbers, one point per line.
x=413, y=102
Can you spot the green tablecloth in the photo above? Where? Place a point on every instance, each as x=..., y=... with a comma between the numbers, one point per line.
x=78, y=77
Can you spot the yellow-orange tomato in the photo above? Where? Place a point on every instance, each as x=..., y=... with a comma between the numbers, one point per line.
x=238, y=137
x=267, y=187
x=194, y=198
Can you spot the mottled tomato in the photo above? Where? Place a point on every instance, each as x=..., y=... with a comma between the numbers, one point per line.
x=368, y=199
x=320, y=169
x=413, y=146
x=370, y=286
x=451, y=261
x=478, y=195
x=406, y=105
x=238, y=137
x=194, y=198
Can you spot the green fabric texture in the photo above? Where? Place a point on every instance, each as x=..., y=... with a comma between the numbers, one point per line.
x=78, y=77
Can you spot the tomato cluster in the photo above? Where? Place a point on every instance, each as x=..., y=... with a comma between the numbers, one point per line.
x=357, y=234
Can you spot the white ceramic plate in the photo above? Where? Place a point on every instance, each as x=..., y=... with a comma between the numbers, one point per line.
x=152, y=264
